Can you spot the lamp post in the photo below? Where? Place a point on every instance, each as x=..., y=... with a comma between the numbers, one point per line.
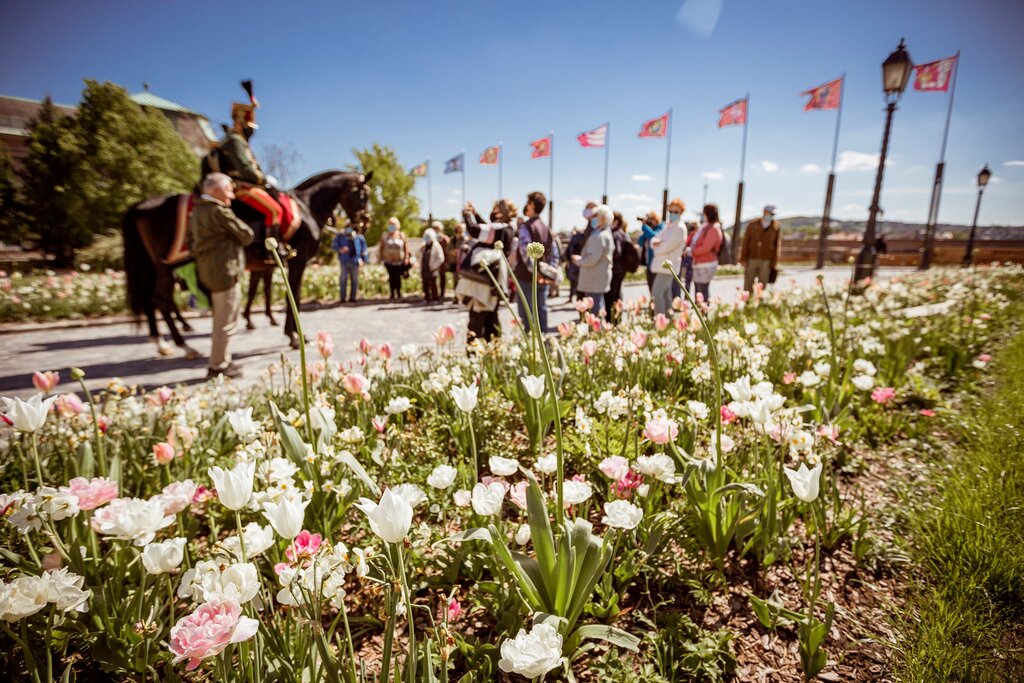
x=895, y=76
x=983, y=177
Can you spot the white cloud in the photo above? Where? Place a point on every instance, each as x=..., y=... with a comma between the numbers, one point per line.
x=457, y=191
x=575, y=201
x=810, y=168
x=642, y=177
x=854, y=208
x=1014, y=162
x=769, y=166
x=631, y=197
x=456, y=202
x=858, y=161
x=713, y=175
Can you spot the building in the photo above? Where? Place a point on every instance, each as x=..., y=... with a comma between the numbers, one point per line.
x=17, y=112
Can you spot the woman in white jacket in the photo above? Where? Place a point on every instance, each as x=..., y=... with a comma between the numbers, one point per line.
x=595, y=260
x=668, y=246
x=431, y=260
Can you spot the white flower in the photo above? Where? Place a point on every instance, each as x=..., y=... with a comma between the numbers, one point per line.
x=211, y=580
x=575, y=492
x=523, y=534
x=534, y=386
x=740, y=389
x=487, y=498
x=698, y=409
x=466, y=397
x=805, y=482
x=64, y=590
x=234, y=486
x=659, y=466
x=532, y=654
x=55, y=504
x=621, y=514
x=442, y=477
x=863, y=382
x=29, y=416
x=809, y=378
x=462, y=498
x=241, y=421
x=160, y=558
x=864, y=367
x=177, y=496
x=823, y=369
x=412, y=493
x=132, y=519
x=503, y=467
x=281, y=470
x=750, y=329
x=286, y=515
x=23, y=597
x=547, y=464
x=398, y=405
x=391, y=518
x=257, y=539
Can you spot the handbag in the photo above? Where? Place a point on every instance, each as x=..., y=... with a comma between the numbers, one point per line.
x=773, y=275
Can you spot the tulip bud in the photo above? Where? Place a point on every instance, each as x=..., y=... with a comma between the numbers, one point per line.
x=77, y=373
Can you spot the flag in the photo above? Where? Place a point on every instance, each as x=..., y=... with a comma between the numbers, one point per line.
x=935, y=76
x=490, y=156
x=541, y=148
x=825, y=96
x=419, y=170
x=734, y=114
x=594, y=138
x=655, y=128
x=454, y=165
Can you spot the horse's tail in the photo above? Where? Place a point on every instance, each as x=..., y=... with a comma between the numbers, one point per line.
x=140, y=275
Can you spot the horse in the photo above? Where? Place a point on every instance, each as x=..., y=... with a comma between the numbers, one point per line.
x=257, y=277
x=149, y=226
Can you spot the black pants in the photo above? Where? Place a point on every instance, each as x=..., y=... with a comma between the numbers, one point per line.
x=611, y=296
x=703, y=289
x=395, y=279
x=650, y=280
x=429, y=285
x=483, y=325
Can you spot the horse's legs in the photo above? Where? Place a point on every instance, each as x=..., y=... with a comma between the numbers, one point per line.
x=164, y=297
x=250, y=297
x=154, y=332
x=176, y=312
x=268, y=290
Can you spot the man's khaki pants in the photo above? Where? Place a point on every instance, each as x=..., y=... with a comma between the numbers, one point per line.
x=756, y=268
x=226, y=305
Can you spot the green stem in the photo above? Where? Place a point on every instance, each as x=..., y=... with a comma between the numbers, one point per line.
x=241, y=536
x=35, y=458
x=302, y=345
x=410, y=666
x=100, y=450
x=472, y=441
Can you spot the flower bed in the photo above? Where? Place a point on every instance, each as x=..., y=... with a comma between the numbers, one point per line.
x=672, y=499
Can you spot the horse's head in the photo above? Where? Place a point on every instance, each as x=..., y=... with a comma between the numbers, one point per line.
x=355, y=199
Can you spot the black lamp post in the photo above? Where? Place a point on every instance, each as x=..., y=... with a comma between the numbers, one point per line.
x=895, y=76
x=983, y=177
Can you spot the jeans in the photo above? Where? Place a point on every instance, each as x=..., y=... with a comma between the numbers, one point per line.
x=349, y=278
x=526, y=289
x=661, y=292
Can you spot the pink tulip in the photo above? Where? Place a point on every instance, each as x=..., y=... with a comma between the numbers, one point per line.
x=985, y=358
x=209, y=630
x=356, y=384
x=661, y=322
x=566, y=330
x=927, y=412
x=589, y=348
x=614, y=467
x=45, y=381
x=789, y=378
x=585, y=304
x=638, y=338
x=385, y=351
x=883, y=395
x=661, y=429
x=454, y=609
x=728, y=417
x=160, y=397
x=517, y=494
x=93, y=493
x=380, y=423
x=365, y=346
x=69, y=405
x=305, y=545
x=163, y=452
x=445, y=335
x=624, y=487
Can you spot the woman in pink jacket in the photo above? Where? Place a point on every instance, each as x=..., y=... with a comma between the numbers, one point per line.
x=706, y=244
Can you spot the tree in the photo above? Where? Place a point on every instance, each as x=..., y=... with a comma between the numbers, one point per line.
x=391, y=191
x=280, y=161
x=12, y=226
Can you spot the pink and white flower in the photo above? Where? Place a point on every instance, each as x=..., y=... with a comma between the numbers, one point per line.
x=208, y=631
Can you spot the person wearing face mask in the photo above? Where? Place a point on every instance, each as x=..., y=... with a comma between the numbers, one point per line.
x=572, y=271
x=704, y=248
x=668, y=247
x=760, y=249
x=350, y=246
x=595, y=260
x=394, y=254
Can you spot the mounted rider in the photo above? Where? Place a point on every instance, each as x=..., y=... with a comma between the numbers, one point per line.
x=235, y=158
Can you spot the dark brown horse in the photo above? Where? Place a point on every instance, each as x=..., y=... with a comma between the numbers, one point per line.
x=149, y=230
x=263, y=276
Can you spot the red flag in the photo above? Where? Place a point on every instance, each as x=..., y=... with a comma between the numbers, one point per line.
x=594, y=138
x=490, y=156
x=935, y=76
x=734, y=114
x=826, y=96
x=541, y=148
x=655, y=128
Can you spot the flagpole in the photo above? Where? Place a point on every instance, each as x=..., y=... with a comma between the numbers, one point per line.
x=933, y=206
x=739, y=189
x=607, y=144
x=501, y=161
x=430, y=194
x=826, y=214
x=668, y=162
x=551, y=183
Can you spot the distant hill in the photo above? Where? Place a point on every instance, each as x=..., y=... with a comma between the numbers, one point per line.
x=796, y=226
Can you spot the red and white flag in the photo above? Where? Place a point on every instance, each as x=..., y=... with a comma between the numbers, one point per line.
x=734, y=114
x=655, y=128
x=935, y=76
x=490, y=156
x=594, y=138
x=541, y=148
x=825, y=96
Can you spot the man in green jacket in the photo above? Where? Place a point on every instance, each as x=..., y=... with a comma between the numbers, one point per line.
x=217, y=239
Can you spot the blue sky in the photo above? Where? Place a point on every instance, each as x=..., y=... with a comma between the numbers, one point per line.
x=431, y=79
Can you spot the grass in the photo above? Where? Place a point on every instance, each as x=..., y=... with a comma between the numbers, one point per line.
x=966, y=622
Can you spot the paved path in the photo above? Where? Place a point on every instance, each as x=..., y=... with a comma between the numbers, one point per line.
x=120, y=350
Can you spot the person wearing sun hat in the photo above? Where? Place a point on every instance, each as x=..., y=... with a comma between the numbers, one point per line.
x=760, y=249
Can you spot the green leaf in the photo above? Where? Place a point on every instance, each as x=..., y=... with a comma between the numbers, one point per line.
x=350, y=460
x=540, y=526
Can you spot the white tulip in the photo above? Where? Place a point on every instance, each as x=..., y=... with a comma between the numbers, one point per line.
x=740, y=389
x=532, y=654
x=466, y=397
x=575, y=492
x=534, y=386
x=503, y=467
x=391, y=518
x=29, y=416
x=487, y=498
x=286, y=515
x=659, y=466
x=809, y=378
x=698, y=409
x=132, y=519
x=234, y=486
x=621, y=514
x=398, y=405
x=442, y=477
x=523, y=534
x=412, y=493
x=547, y=464
x=257, y=539
x=462, y=498
x=212, y=580
x=241, y=421
x=160, y=558
x=64, y=590
x=805, y=482
x=863, y=382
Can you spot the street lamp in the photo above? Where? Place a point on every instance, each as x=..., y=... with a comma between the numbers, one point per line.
x=983, y=177
x=895, y=76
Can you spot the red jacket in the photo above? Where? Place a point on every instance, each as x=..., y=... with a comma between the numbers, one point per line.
x=705, y=248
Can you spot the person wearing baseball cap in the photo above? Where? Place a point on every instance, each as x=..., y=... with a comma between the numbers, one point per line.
x=760, y=249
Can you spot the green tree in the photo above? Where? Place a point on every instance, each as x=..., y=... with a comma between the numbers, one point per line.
x=391, y=191
x=12, y=226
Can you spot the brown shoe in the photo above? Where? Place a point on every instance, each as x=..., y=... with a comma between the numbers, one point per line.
x=232, y=371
